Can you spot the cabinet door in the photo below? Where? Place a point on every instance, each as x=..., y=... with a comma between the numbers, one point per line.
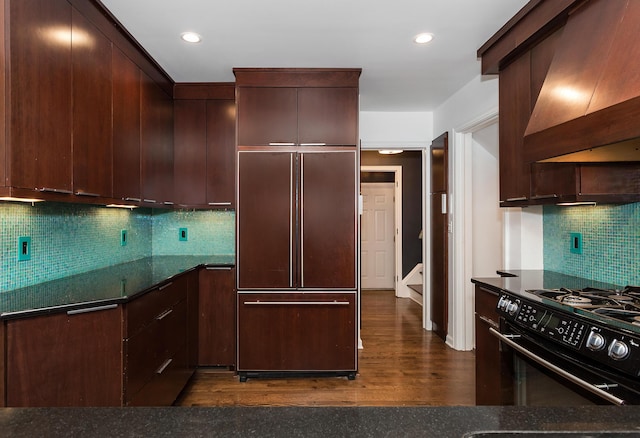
x=156, y=115
x=92, y=155
x=297, y=332
x=515, y=109
x=126, y=127
x=190, y=151
x=267, y=115
x=221, y=153
x=328, y=116
x=328, y=219
x=65, y=360
x=265, y=217
x=40, y=124
x=217, y=317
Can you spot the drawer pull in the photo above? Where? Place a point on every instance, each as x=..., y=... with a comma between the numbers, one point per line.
x=164, y=366
x=164, y=314
x=133, y=199
x=95, y=195
x=313, y=144
x=276, y=143
x=521, y=198
x=219, y=203
x=489, y=321
x=297, y=303
x=552, y=196
x=51, y=190
x=92, y=309
x=151, y=201
x=165, y=286
x=218, y=268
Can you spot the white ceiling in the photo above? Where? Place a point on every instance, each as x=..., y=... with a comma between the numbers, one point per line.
x=375, y=35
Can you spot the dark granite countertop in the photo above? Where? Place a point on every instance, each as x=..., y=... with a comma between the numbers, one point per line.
x=279, y=422
x=113, y=284
x=520, y=280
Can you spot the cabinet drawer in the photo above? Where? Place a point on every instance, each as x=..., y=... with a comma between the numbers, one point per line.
x=148, y=351
x=166, y=384
x=297, y=332
x=486, y=302
x=144, y=310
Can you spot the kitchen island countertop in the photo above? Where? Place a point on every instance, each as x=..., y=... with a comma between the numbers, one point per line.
x=110, y=285
x=312, y=421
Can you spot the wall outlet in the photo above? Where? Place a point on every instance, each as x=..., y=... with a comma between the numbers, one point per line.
x=182, y=234
x=576, y=243
x=24, y=248
x=123, y=237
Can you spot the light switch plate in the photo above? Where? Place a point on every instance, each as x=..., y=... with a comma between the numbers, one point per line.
x=576, y=243
x=24, y=248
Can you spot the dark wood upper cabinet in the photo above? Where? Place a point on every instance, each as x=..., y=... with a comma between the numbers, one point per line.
x=204, y=148
x=40, y=111
x=92, y=114
x=156, y=142
x=221, y=153
x=328, y=115
x=190, y=154
x=126, y=127
x=269, y=115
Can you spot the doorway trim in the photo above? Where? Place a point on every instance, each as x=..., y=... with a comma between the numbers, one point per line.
x=397, y=171
x=461, y=313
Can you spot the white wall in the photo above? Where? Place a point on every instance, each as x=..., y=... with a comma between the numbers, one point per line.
x=409, y=130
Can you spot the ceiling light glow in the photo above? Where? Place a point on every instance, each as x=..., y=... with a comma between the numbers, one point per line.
x=390, y=151
x=191, y=37
x=423, y=38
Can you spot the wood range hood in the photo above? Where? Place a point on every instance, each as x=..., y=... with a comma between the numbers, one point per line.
x=588, y=109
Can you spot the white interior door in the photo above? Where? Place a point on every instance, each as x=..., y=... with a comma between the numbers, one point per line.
x=378, y=231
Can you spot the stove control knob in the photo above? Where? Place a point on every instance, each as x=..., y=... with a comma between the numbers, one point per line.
x=618, y=350
x=502, y=303
x=512, y=308
x=595, y=341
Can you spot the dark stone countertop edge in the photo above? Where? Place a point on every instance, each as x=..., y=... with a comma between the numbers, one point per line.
x=107, y=302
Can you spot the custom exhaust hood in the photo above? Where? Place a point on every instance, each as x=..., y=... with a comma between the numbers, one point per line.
x=588, y=109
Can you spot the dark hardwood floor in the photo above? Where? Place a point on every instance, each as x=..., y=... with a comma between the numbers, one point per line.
x=401, y=365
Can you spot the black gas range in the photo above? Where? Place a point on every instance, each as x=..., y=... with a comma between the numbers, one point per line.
x=592, y=330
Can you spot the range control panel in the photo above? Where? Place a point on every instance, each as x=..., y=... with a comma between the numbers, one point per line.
x=614, y=348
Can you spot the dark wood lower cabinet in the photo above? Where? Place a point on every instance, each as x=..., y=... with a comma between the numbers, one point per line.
x=492, y=385
x=305, y=332
x=65, y=360
x=217, y=317
x=132, y=354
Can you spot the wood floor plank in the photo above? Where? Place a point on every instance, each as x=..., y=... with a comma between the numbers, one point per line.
x=401, y=365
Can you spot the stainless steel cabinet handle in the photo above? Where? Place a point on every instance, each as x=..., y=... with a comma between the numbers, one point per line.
x=49, y=189
x=301, y=213
x=291, y=224
x=279, y=143
x=489, y=321
x=152, y=201
x=168, y=203
x=164, y=314
x=552, y=196
x=313, y=144
x=165, y=286
x=164, y=366
x=219, y=203
x=297, y=303
x=132, y=199
x=218, y=268
x=522, y=198
x=578, y=381
x=95, y=195
x=92, y=309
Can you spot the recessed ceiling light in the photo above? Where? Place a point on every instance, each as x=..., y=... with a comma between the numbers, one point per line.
x=423, y=38
x=191, y=37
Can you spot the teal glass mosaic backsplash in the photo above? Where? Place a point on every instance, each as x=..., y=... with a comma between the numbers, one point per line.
x=68, y=239
x=610, y=242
